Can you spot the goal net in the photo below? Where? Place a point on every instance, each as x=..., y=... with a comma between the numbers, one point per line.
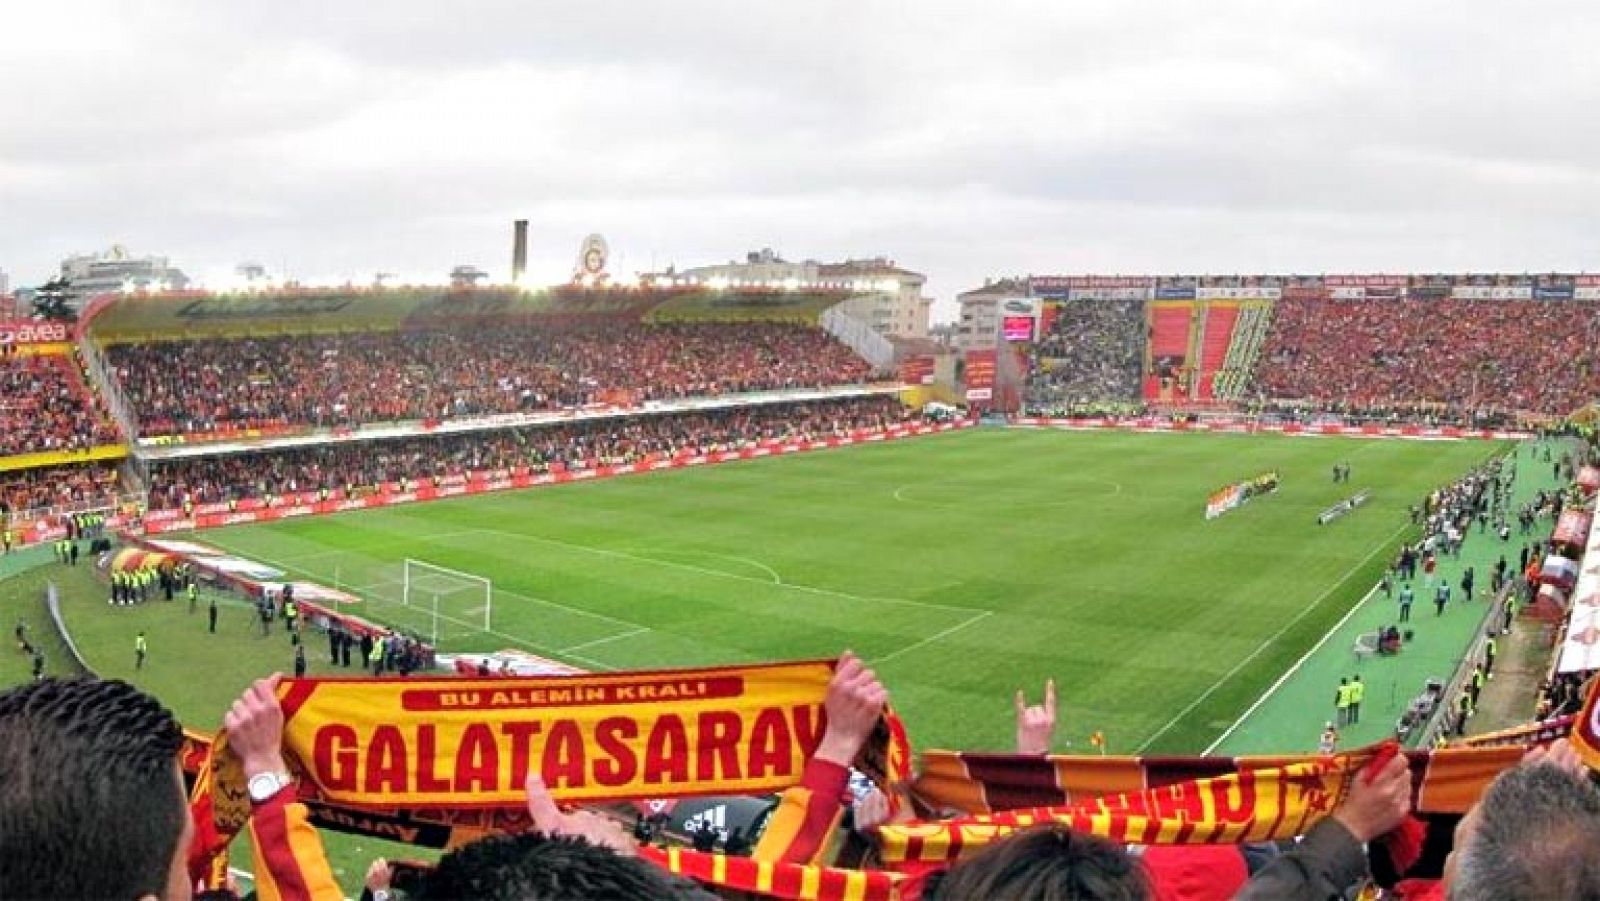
x=450, y=602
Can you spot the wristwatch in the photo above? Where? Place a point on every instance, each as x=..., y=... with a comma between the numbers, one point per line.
x=263, y=786
x=380, y=894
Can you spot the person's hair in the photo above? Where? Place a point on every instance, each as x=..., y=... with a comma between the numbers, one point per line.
x=1047, y=863
x=90, y=802
x=535, y=867
x=1537, y=834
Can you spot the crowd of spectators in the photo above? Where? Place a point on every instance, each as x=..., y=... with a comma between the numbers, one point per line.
x=1469, y=355
x=74, y=485
x=349, y=379
x=45, y=406
x=352, y=466
x=1094, y=352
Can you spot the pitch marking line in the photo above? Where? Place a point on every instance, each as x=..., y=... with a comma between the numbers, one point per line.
x=609, y=638
x=497, y=590
x=1289, y=672
x=533, y=645
x=933, y=638
x=1268, y=643
x=748, y=561
x=717, y=573
x=390, y=541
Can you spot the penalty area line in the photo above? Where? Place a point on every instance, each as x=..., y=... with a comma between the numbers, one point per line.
x=971, y=620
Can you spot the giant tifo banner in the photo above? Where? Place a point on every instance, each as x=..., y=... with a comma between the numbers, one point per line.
x=312, y=503
x=429, y=743
x=1224, y=500
x=322, y=606
x=1237, y=495
x=979, y=374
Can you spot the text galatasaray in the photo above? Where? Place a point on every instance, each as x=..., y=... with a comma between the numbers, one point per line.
x=659, y=751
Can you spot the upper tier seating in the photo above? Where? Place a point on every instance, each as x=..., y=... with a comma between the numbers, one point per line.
x=217, y=385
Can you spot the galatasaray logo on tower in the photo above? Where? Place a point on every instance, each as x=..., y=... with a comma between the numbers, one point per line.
x=592, y=257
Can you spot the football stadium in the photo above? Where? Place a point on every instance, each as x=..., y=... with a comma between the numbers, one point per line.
x=865, y=451
x=1198, y=509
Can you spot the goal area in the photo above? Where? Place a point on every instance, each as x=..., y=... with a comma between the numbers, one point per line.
x=446, y=597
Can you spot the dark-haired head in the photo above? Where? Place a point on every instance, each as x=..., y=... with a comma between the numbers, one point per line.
x=534, y=867
x=1047, y=863
x=91, y=799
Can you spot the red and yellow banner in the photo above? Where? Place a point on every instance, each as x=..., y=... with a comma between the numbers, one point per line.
x=1243, y=806
x=464, y=743
x=1586, y=728
x=956, y=783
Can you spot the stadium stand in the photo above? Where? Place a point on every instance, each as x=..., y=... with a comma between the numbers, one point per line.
x=45, y=406
x=1218, y=321
x=1244, y=348
x=1170, y=325
x=68, y=487
x=221, y=384
x=1516, y=354
x=1093, y=353
x=352, y=466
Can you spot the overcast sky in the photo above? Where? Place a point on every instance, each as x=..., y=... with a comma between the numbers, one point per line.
x=338, y=139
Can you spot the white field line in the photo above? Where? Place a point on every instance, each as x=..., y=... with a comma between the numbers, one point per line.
x=1273, y=689
x=609, y=638
x=932, y=638
x=475, y=627
x=717, y=573
x=1268, y=643
x=300, y=564
x=385, y=542
x=777, y=579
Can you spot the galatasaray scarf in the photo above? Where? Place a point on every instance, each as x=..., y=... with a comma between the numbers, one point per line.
x=1159, y=800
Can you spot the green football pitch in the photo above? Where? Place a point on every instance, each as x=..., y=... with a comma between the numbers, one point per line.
x=963, y=566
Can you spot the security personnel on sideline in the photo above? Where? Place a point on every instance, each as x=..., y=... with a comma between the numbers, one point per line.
x=1357, y=692
x=1341, y=703
x=194, y=597
x=1489, y=650
x=139, y=648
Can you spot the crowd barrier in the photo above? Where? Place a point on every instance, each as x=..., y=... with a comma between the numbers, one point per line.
x=1246, y=427
x=310, y=503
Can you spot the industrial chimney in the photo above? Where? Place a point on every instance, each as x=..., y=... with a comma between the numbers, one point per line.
x=519, y=250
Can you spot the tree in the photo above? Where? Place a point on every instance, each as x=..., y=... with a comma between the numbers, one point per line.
x=50, y=301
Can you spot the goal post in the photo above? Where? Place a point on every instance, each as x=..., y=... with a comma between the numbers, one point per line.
x=448, y=594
